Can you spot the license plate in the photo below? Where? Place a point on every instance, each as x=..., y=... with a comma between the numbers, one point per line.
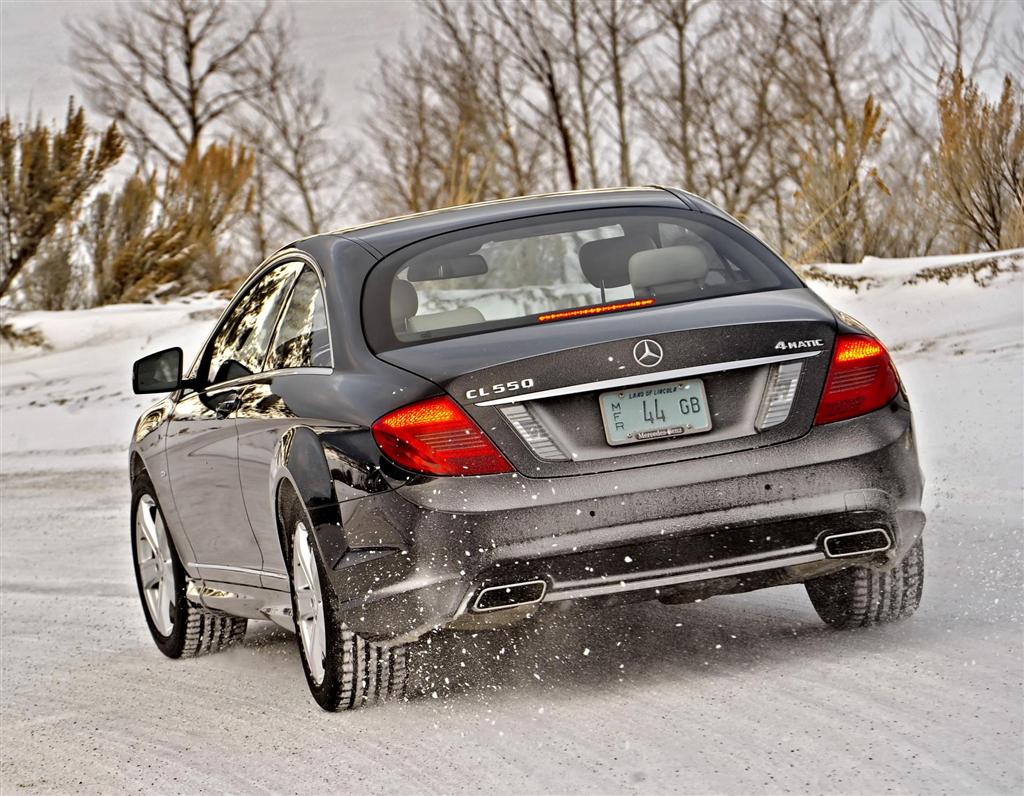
x=640, y=414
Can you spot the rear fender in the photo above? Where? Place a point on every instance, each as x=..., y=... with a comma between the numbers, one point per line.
x=301, y=466
x=336, y=474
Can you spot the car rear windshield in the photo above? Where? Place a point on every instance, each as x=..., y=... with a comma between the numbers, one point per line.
x=560, y=268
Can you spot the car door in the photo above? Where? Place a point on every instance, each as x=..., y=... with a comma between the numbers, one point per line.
x=276, y=400
x=202, y=439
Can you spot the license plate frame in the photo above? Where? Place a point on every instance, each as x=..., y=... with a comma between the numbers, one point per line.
x=617, y=421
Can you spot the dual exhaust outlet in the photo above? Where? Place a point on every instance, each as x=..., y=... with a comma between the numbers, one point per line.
x=531, y=592
x=856, y=543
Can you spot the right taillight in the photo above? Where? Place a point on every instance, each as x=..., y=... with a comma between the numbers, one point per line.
x=861, y=379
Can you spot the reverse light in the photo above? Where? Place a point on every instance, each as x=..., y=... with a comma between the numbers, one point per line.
x=437, y=437
x=861, y=379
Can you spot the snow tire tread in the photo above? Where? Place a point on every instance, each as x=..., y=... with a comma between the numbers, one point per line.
x=862, y=596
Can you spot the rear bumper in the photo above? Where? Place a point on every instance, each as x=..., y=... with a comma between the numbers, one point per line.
x=723, y=524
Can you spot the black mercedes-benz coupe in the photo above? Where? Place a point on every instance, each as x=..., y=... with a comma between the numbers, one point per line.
x=463, y=419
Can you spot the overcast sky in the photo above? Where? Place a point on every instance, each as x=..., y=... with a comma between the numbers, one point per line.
x=339, y=36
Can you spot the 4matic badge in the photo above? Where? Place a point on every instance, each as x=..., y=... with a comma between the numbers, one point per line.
x=788, y=345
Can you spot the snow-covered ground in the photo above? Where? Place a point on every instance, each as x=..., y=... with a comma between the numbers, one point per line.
x=741, y=694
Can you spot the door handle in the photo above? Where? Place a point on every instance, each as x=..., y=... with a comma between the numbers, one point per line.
x=227, y=406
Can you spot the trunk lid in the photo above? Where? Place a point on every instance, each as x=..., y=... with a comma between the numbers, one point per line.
x=535, y=389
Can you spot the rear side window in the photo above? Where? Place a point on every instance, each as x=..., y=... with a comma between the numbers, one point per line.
x=302, y=340
x=561, y=267
x=241, y=342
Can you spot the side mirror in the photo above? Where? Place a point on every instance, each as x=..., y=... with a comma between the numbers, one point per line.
x=159, y=372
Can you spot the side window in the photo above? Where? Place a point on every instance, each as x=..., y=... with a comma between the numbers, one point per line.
x=240, y=345
x=302, y=339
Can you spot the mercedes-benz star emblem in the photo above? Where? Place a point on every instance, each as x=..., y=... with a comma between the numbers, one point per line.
x=647, y=353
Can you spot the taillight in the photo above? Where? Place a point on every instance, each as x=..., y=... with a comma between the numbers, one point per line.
x=861, y=379
x=437, y=438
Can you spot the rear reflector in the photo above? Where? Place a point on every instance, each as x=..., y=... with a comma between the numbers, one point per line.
x=861, y=379
x=437, y=437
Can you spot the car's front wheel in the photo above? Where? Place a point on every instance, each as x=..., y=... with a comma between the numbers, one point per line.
x=861, y=596
x=343, y=670
x=180, y=628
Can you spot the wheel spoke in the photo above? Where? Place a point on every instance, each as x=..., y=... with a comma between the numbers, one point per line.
x=307, y=629
x=305, y=604
x=146, y=525
x=166, y=597
x=308, y=603
x=307, y=565
x=317, y=643
x=160, y=532
x=155, y=565
x=149, y=571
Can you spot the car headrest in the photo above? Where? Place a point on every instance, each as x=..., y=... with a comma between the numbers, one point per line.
x=607, y=260
x=404, y=300
x=668, y=266
x=449, y=268
x=463, y=316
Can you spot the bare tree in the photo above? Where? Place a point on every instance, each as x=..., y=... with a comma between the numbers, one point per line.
x=304, y=171
x=618, y=30
x=528, y=38
x=716, y=109
x=949, y=35
x=169, y=71
x=577, y=19
x=952, y=35
x=451, y=124
x=670, y=107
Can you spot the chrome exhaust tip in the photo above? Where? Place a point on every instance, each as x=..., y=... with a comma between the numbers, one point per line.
x=510, y=595
x=856, y=543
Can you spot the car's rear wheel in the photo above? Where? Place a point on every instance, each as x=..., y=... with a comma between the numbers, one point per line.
x=860, y=596
x=180, y=628
x=343, y=670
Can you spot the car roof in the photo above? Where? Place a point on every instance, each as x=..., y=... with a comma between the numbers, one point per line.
x=390, y=234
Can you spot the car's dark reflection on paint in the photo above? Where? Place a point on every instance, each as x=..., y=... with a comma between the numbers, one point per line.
x=443, y=421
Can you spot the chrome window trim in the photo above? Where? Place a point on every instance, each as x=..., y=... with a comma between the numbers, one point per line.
x=245, y=570
x=242, y=381
x=648, y=378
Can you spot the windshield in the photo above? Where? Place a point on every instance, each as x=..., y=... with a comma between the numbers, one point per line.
x=559, y=268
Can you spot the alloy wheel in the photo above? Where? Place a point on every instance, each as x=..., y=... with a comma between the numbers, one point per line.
x=309, y=604
x=154, y=560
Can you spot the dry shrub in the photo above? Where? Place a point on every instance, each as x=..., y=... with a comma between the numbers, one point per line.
x=978, y=171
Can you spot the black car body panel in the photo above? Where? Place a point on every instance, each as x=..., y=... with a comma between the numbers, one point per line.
x=676, y=518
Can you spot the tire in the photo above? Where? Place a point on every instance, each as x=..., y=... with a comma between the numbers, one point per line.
x=179, y=628
x=352, y=671
x=859, y=596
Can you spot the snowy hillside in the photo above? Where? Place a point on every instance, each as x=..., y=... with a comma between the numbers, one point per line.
x=741, y=694
x=77, y=393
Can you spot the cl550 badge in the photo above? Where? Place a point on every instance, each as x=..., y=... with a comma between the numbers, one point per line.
x=498, y=389
x=784, y=345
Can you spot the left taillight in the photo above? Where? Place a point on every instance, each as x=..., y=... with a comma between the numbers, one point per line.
x=437, y=437
x=861, y=379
